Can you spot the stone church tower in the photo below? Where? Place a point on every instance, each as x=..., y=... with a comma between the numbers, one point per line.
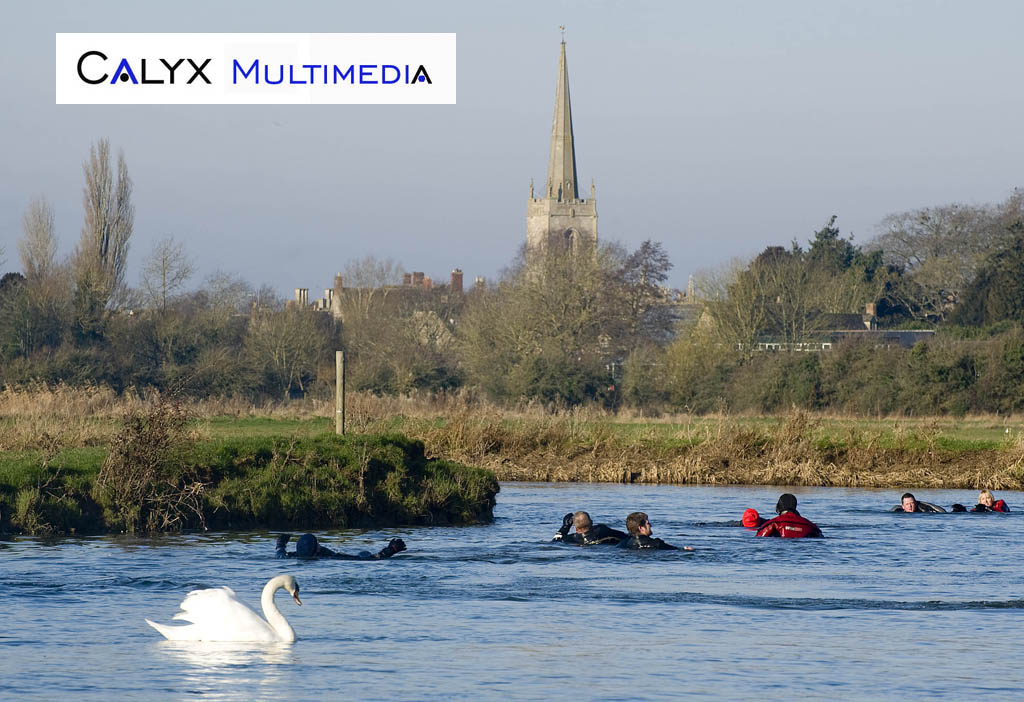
x=559, y=219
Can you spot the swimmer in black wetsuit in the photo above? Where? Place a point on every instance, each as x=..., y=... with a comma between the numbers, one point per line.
x=587, y=533
x=640, y=529
x=308, y=548
x=909, y=503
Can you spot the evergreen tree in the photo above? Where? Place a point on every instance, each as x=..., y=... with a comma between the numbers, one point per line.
x=997, y=292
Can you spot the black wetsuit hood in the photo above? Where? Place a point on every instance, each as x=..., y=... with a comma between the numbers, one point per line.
x=595, y=535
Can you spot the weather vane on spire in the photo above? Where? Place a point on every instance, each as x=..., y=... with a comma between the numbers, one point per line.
x=562, y=27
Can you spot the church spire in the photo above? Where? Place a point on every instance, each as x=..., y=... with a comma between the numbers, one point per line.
x=562, y=162
x=558, y=220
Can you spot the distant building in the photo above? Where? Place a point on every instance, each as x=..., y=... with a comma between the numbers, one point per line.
x=835, y=328
x=417, y=290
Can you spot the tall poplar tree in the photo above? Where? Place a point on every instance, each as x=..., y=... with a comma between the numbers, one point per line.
x=102, y=253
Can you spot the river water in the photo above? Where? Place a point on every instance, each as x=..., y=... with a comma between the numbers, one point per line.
x=887, y=606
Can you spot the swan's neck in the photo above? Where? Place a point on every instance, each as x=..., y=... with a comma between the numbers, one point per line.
x=275, y=619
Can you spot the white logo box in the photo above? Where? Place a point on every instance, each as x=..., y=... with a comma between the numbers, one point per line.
x=285, y=56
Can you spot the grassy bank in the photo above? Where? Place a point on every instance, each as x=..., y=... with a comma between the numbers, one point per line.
x=793, y=450
x=161, y=470
x=532, y=443
x=797, y=448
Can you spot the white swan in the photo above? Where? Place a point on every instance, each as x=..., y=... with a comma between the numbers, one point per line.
x=217, y=615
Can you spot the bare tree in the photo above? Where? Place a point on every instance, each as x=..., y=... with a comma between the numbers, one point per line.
x=41, y=314
x=939, y=250
x=784, y=293
x=549, y=331
x=38, y=248
x=734, y=298
x=102, y=252
x=290, y=345
x=229, y=293
x=846, y=292
x=372, y=272
x=397, y=337
x=165, y=272
x=649, y=315
x=793, y=286
x=367, y=282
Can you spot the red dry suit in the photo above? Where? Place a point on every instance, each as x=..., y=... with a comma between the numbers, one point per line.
x=789, y=525
x=997, y=506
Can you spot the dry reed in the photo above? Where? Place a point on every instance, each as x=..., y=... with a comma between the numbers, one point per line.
x=534, y=442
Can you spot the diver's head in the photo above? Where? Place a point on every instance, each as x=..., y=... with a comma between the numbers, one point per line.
x=582, y=522
x=637, y=523
x=908, y=502
x=985, y=498
x=751, y=518
x=306, y=546
x=786, y=503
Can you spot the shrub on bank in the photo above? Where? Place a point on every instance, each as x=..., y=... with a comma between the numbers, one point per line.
x=153, y=479
x=343, y=482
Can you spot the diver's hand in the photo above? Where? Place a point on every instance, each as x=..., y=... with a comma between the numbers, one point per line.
x=394, y=546
x=282, y=540
x=566, y=526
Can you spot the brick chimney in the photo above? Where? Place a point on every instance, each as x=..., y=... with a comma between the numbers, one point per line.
x=869, y=319
x=336, y=296
x=456, y=285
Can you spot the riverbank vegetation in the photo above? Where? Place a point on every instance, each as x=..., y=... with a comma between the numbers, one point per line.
x=272, y=465
x=147, y=467
x=793, y=448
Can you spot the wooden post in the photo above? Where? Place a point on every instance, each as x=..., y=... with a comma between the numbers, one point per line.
x=343, y=392
x=339, y=392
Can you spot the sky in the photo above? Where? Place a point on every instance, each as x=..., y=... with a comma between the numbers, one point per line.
x=714, y=128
